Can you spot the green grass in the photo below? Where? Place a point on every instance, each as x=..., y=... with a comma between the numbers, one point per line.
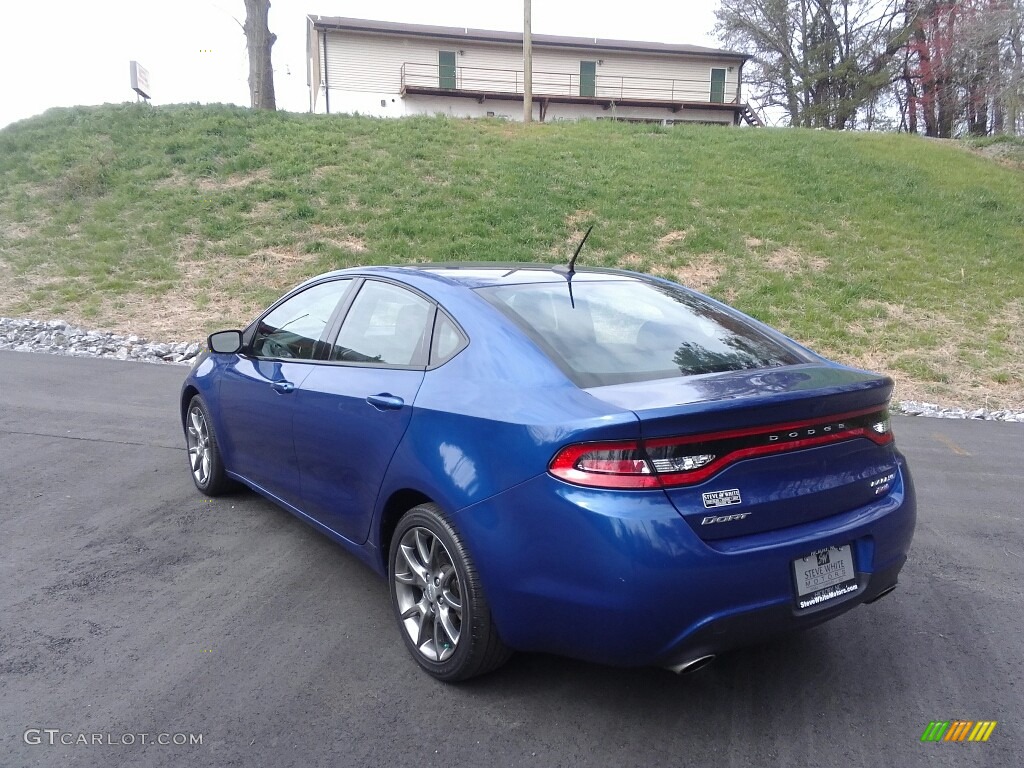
x=886, y=251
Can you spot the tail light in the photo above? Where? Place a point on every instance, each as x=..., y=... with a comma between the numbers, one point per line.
x=675, y=461
x=619, y=464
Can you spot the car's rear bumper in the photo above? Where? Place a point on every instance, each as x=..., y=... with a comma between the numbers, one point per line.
x=749, y=626
x=620, y=578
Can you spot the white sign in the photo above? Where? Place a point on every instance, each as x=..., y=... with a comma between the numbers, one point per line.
x=140, y=79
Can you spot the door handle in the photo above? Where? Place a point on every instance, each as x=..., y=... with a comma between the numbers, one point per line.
x=385, y=402
x=284, y=387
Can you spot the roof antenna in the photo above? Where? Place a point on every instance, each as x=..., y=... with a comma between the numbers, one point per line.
x=571, y=269
x=572, y=262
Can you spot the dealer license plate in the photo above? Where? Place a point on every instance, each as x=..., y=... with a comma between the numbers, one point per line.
x=824, y=575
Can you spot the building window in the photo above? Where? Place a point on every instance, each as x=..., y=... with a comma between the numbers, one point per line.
x=446, y=70
x=588, y=78
x=717, y=86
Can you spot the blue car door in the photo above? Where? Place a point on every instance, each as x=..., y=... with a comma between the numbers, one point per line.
x=352, y=412
x=258, y=388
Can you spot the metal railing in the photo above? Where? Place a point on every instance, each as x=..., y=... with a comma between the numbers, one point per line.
x=613, y=87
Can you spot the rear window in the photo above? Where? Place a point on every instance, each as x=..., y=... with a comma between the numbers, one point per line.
x=617, y=332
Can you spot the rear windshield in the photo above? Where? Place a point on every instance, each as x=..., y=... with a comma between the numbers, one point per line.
x=625, y=331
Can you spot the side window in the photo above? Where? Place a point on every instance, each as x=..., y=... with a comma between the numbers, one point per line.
x=386, y=324
x=292, y=329
x=448, y=340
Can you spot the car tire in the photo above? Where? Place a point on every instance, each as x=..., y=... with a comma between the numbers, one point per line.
x=205, y=462
x=442, y=612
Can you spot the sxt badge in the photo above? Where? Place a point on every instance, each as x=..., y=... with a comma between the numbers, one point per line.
x=713, y=499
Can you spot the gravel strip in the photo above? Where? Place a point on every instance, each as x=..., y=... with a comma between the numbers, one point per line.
x=60, y=338
x=915, y=408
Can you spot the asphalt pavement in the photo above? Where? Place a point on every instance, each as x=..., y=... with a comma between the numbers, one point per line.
x=134, y=610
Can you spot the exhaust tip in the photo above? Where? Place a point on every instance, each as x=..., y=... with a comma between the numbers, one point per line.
x=881, y=594
x=692, y=665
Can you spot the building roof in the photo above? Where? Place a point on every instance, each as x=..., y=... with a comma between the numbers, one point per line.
x=490, y=36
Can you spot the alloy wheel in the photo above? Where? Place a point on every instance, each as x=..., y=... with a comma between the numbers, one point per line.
x=198, y=438
x=429, y=594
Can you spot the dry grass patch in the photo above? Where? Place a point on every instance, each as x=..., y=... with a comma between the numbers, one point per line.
x=701, y=273
x=961, y=385
x=178, y=180
x=12, y=231
x=434, y=181
x=791, y=261
x=576, y=224
x=320, y=173
x=207, y=295
x=955, y=369
x=212, y=291
x=350, y=243
x=234, y=181
x=785, y=259
x=906, y=387
x=676, y=236
x=575, y=220
x=340, y=238
x=1006, y=154
x=260, y=210
x=884, y=315
x=16, y=291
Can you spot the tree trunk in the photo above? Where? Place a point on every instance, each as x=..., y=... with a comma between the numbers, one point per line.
x=1016, y=80
x=259, y=40
x=929, y=95
x=913, y=100
x=910, y=22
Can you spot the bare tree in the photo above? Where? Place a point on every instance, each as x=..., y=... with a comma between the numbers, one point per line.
x=822, y=61
x=259, y=40
x=963, y=68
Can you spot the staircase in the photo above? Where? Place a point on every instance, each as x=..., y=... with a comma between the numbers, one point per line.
x=751, y=117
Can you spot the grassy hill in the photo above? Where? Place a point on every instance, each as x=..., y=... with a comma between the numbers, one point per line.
x=890, y=252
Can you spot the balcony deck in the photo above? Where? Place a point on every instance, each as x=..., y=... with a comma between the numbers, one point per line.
x=561, y=88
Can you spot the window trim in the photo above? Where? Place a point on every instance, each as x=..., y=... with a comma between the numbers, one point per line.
x=249, y=334
x=333, y=328
x=336, y=328
x=463, y=343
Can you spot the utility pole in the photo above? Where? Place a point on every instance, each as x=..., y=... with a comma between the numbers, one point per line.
x=527, y=65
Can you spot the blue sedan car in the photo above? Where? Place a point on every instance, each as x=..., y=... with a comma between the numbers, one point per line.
x=593, y=463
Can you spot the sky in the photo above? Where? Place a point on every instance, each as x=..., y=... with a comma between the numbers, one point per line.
x=70, y=52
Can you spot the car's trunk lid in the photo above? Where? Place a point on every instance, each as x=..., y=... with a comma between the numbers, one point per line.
x=755, y=450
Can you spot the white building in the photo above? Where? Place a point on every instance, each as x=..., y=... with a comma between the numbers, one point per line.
x=387, y=69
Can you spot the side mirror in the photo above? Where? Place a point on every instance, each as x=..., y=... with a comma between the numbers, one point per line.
x=225, y=342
